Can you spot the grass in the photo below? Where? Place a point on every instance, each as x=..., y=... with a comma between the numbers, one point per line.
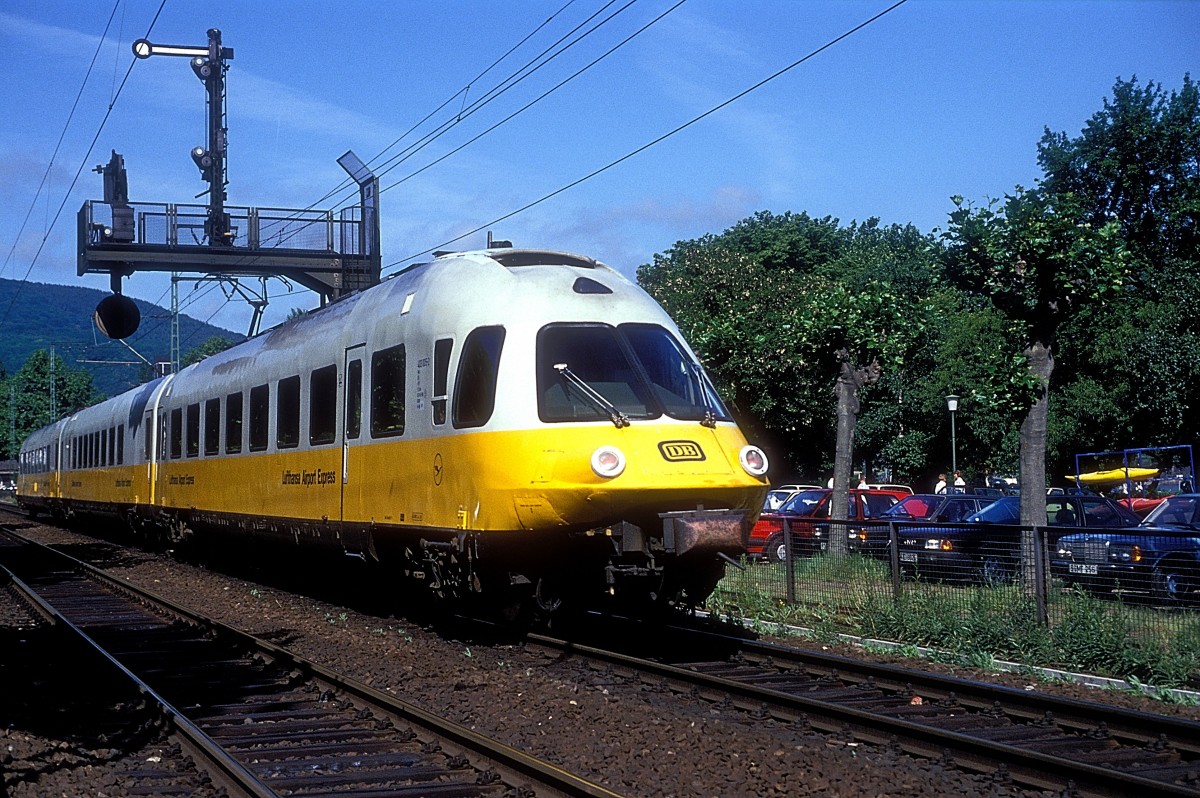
x=975, y=625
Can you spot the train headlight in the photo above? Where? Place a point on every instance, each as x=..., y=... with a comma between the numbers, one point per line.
x=608, y=462
x=754, y=460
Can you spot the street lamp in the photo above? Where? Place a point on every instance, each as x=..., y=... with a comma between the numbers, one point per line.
x=952, y=405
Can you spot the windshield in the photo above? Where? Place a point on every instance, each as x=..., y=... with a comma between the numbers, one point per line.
x=639, y=368
x=805, y=502
x=1002, y=511
x=918, y=507
x=1176, y=511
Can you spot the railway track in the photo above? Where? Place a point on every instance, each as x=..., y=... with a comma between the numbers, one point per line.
x=259, y=720
x=1033, y=740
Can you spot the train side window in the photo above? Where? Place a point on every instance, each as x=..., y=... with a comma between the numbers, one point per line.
x=212, y=427
x=101, y=449
x=177, y=433
x=112, y=446
x=354, y=399
x=92, y=446
x=148, y=440
x=233, y=423
x=260, y=408
x=387, y=392
x=120, y=444
x=322, y=405
x=441, y=367
x=475, y=387
x=287, y=409
x=193, y=430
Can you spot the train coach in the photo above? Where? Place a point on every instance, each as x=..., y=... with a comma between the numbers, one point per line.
x=525, y=426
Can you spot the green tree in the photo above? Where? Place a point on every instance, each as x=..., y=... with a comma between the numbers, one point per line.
x=42, y=391
x=212, y=346
x=1136, y=359
x=1039, y=261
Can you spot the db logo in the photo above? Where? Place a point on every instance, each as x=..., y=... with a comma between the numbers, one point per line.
x=680, y=451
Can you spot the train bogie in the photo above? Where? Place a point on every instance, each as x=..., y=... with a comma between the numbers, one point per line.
x=492, y=421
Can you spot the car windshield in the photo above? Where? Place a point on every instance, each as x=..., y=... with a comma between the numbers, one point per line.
x=1002, y=511
x=917, y=507
x=639, y=368
x=1176, y=511
x=804, y=503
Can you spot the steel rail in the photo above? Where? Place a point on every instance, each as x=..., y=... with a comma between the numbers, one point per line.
x=1136, y=726
x=482, y=752
x=1033, y=768
x=222, y=768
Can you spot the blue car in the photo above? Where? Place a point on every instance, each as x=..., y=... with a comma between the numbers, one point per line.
x=1160, y=557
x=986, y=549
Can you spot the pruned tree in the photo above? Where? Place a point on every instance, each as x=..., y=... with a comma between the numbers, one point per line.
x=1038, y=260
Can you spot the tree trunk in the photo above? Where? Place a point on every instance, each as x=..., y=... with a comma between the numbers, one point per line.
x=1033, y=454
x=850, y=379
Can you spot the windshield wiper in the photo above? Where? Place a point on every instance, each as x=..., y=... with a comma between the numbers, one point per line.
x=618, y=418
x=710, y=415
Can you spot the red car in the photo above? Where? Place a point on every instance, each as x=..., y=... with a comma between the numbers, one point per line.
x=803, y=512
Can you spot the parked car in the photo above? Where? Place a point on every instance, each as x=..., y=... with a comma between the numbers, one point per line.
x=885, y=486
x=1161, y=557
x=940, y=508
x=1154, y=492
x=777, y=496
x=986, y=548
x=803, y=512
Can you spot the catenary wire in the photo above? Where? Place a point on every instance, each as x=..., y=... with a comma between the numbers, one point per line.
x=661, y=138
x=461, y=92
x=536, y=100
x=530, y=67
x=82, y=163
x=61, y=136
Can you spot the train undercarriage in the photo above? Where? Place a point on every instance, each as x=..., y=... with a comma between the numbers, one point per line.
x=672, y=560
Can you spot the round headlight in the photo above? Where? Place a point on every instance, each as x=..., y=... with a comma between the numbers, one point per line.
x=754, y=460
x=608, y=462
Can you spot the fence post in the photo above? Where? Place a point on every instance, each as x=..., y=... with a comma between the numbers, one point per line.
x=894, y=556
x=1039, y=574
x=787, y=556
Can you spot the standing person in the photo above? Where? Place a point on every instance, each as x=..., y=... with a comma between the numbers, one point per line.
x=959, y=482
x=940, y=487
x=862, y=482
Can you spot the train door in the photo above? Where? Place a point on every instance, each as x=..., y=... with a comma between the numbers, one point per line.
x=352, y=395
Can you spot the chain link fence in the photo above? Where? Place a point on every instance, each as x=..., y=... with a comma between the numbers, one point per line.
x=1121, y=602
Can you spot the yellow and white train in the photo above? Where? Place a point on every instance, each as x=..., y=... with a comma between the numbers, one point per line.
x=507, y=423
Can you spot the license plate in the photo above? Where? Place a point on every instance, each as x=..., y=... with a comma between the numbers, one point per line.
x=1083, y=568
x=908, y=556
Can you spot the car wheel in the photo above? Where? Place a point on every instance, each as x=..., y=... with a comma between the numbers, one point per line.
x=1171, y=584
x=995, y=570
x=776, y=548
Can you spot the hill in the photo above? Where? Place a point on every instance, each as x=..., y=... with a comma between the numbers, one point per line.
x=47, y=315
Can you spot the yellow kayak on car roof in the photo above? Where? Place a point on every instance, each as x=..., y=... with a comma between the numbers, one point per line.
x=1114, y=475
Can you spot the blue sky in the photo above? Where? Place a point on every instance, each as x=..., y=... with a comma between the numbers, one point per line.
x=936, y=98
